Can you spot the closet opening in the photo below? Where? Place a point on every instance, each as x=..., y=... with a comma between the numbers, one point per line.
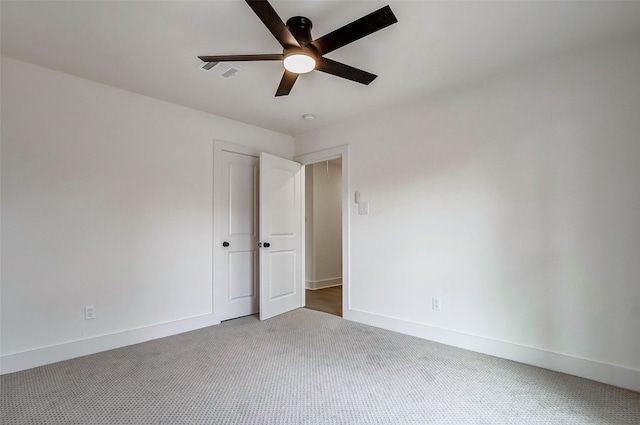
x=324, y=236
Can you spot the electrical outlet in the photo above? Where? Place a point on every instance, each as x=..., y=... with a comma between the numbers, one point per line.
x=435, y=304
x=89, y=312
x=363, y=208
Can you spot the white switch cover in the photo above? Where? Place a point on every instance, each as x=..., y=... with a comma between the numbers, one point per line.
x=363, y=208
x=435, y=304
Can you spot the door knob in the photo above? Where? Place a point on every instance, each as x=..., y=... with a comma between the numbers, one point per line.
x=265, y=245
x=225, y=244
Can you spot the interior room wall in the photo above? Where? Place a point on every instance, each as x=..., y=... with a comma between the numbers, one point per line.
x=106, y=201
x=515, y=201
x=324, y=224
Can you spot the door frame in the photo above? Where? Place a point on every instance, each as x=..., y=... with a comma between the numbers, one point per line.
x=219, y=147
x=326, y=155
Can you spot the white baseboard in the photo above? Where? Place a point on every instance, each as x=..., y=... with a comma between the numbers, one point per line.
x=602, y=372
x=41, y=356
x=323, y=283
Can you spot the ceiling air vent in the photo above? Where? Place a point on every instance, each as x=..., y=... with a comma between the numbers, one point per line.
x=222, y=70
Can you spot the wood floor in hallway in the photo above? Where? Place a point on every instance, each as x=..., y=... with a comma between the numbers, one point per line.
x=328, y=300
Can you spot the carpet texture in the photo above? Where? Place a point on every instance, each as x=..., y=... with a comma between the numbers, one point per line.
x=304, y=367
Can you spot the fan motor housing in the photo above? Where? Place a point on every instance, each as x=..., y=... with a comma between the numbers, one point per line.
x=300, y=28
x=308, y=50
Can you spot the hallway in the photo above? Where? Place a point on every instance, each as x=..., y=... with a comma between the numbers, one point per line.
x=328, y=300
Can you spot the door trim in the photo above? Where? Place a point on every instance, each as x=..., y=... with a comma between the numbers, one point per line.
x=325, y=155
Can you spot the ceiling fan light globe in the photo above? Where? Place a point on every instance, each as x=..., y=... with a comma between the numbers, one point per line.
x=299, y=63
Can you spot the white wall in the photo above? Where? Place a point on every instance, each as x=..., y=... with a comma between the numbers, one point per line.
x=517, y=202
x=324, y=224
x=106, y=200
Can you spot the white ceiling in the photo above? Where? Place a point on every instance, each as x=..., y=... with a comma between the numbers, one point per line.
x=151, y=47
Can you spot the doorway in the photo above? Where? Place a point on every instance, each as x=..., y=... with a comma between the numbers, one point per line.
x=221, y=251
x=342, y=153
x=323, y=236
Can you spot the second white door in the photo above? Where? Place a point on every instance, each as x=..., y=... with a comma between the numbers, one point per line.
x=281, y=230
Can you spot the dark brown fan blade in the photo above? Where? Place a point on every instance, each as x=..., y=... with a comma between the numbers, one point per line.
x=357, y=29
x=345, y=71
x=240, y=58
x=272, y=21
x=286, y=83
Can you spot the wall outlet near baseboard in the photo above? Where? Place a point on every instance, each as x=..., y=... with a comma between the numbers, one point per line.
x=435, y=304
x=89, y=312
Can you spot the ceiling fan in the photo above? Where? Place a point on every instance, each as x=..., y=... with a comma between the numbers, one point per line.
x=302, y=54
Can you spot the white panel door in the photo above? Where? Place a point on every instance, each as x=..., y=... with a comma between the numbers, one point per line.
x=281, y=269
x=236, y=290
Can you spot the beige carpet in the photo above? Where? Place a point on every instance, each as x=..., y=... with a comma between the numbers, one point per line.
x=304, y=367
